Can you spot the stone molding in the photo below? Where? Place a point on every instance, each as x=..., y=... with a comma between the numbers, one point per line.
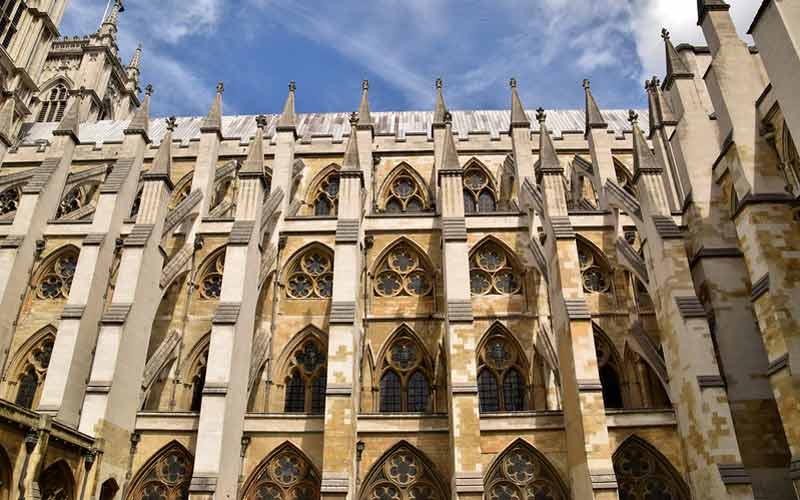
x=454, y=229
x=343, y=313
x=710, y=382
x=270, y=206
x=339, y=390
x=760, y=287
x=763, y=199
x=347, y=231
x=459, y=311
x=117, y=177
x=794, y=469
x=690, y=307
x=464, y=388
x=779, y=364
x=469, y=482
x=241, y=232
x=538, y=255
x=117, y=314
x=78, y=177
x=333, y=483
x=17, y=177
x=589, y=385
x=227, y=313
x=139, y=236
x=715, y=253
x=175, y=265
x=623, y=199
x=734, y=474
x=603, y=480
x=203, y=484
x=72, y=311
x=215, y=389
x=12, y=241
x=562, y=227
x=666, y=228
x=94, y=239
x=41, y=176
x=632, y=259
x=577, y=309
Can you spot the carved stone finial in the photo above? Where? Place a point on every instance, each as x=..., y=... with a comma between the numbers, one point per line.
x=448, y=118
x=586, y=84
x=664, y=33
x=364, y=84
x=292, y=86
x=656, y=82
x=220, y=87
x=439, y=83
x=172, y=123
x=513, y=83
x=633, y=117
x=149, y=89
x=261, y=121
x=354, y=118
x=541, y=115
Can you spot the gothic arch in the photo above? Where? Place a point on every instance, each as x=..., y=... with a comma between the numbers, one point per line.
x=194, y=376
x=404, y=373
x=302, y=371
x=646, y=389
x=480, y=188
x=610, y=368
x=78, y=200
x=596, y=270
x=57, y=481
x=409, y=277
x=624, y=176
x=182, y=189
x=9, y=200
x=521, y=471
x=208, y=277
x=643, y=472
x=166, y=474
x=403, y=468
x=495, y=269
x=285, y=474
x=52, y=279
x=323, y=194
x=504, y=382
x=404, y=190
x=108, y=490
x=309, y=272
x=29, y=368
x=54, y=100
x=6, y=470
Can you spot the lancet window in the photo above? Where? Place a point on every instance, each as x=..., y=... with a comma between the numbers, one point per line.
x=643, y=473
x=403, y=474
x=403, y=273
x=326, y=195
x=210, y=281
x=404, y=193
x=307, y=379
x=609, y=368
x=502, y=384
x=311, y=275
x=9, y=200
x=166, y=476
x=285, y=475
x=32, y=370
x=493, y=271
x=480, y=194
x=405, y=382
x=57, y=482
x=521, y=472
x=595, y=272
x=198, y=381
x=55, y=105
x=624, y=178
x=55, y=280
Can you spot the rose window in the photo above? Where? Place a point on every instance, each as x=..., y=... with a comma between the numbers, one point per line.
x=56, y=281
x=479, y=192
x=326, y=197
x=311, y=276
x=165, y=478
x=403, y=476
x=594, y=272
x=522, y=474
x=402, y=273
x=643, y=474
x=285, y=476
x=404, y=194
x=9, y=200
x=492, y=272
x=211, y=281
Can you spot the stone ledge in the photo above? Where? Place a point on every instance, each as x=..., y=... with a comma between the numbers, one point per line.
x=117, y=314
x=139, y=236
x=734, y=474
x=710, y=381
x=241, y=232
x=603, y=480
x=94, y=239
x=342, y=313
x=12, y=241
x=562, y=227
x=347, y=231
x=459, y=311
x=469, y=482
x=454, y=229
x=203, y=484
x=589, y=385
x=215, y=389
x=690, y=307
x=72, y=312
x=779, y=364
x=760, y=287
x=335, y=484
x=577, y=309
x=666, y=227
x=339, y=390
x=227, y=313
x=117, y=177
x=465, y=388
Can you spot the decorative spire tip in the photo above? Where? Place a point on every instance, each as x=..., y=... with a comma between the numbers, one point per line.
x=448, y=118
x=220, y=87
x=149, y=89
x=172, y=123
x=261, y=121
x=541, y=115
x=586, y=84
x=353, y=118
x=292, y=86
x=365, y=85
x=439, y=83
x=633, y=117
x=664, y=33
x=513, y=83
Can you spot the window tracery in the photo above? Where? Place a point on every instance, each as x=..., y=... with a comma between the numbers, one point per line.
x=55, y=280
x=165, y=477
x=311, y=275
x=325, y=198
x=501, y=365
x=493, y=271
x=643, y=474
x=403, y=273
x=76, y=198
x=405, y=376
x=609, y=367
x=33, y=370
x=791, y=161
x=199, y=381
x=624, y=178
x=521, y=473
x=9, y=200
x=57, y=482
x=305, y=388
x=53, y=108
x=480, y=194
x=402, y=475
x=181, y=191
x=595, y=273
x=210, y=282
x=404, y=193
x=286, y=475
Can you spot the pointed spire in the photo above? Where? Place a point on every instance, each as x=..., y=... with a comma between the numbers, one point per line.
x=162, y=163
x=676, y=67
x=70, y=123
x=7, y=113
x=659, y=108
x=449, y=153
x=704, y=6
x=594, y=119
x=254, y=164
x=136, y=60
x=548, y=159
x=518, y=116
x=364, y=115
x=109, y=25
x=351, y=159
x=288, y=119
x=643, y=159
x=213, y=121
x=440, y=110
x=140, y=124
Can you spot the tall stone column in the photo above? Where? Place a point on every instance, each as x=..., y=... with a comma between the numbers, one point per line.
x=697, y=390
x=207, y=156
x=224, y=403
x=112, y=398
x=438, y=134
x=69, y=368
x=765, y=219
x=461, y=339
x=38, y=204
x=341, y=396
x=591, y=471
x=596, y=133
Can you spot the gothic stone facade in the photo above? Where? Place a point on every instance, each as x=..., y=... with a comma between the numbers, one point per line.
x=403, y=305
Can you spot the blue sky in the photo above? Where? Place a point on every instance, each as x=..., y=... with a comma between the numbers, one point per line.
x=328, y=47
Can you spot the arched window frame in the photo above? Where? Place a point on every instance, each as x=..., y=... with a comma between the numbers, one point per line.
x=57, y=481
x=285, y=474
x=521, y=471
x=152, y=482
x=53, y=278
x=182, y=189
x=624, y=177
x=609, y=361
x=404, y=191
x=391, y=360
x=642, y=472
x=77, y=197
x=403, y=472
x=500, y=363
x=791, y=160
x=403, y=270
x=9, y=201
x=33, y=357
x=194, y=382
x=294, y=363
x=137, y=202
x=209, y=281
x=309, y=274
x=55, y=105
x=596, y=273
x=495, y=269
x=323, y=197
x=478, y=183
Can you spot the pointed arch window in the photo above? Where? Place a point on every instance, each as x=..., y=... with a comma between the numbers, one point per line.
x=31, y=371
x=405, y=377
x=53, y=108
x=522, y=473
x=404, y=193
x=78, y=197
x=609, y=367
x=403, y=273
x=285, y=475
x=311, y=275
x=480, y=193
x=57, y=482
x=307, y=379
x=210, y=282
x=10, y=16
x=403, y=474
x=325, y=198
x=137, y=203
x=55, y=279
x=595, y=272
x=181, y=191
x=501, y=366
x=643, y=473
x=9, y=200
x=493, y=271
x=624, y=178
x=166, y=476
x=791, y=161
x=199, y=382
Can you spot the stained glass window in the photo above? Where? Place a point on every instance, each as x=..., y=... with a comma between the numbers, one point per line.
x=326, y=197
x=479, y=191
x=56, y=277
x=284, y=475
x=311, y=276
x=595, y=272
x=403, y=273
x=405, y=375
x=390, y=393
x=501, y=383
x=211, y=277
x=295, y=394
x=403, y=192
x=493, y=271
x=521, y=473
x=165, y=477
x=403, y=474
x=644, y=474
